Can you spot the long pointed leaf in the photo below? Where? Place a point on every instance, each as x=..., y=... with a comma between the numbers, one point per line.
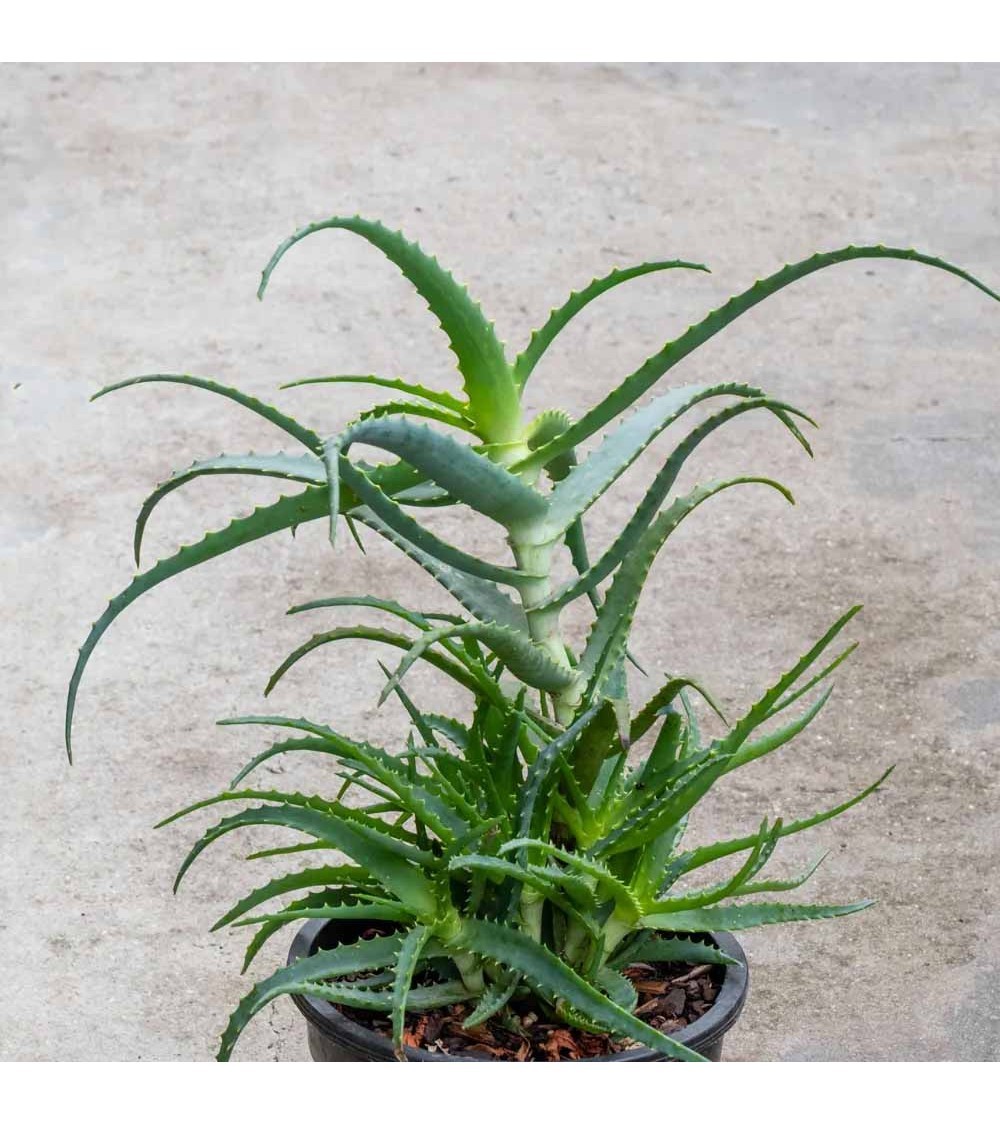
x=330, y=963
x=403, y=878
x=557, y=981
x=540, y=340
x=489, y=383
x=340, y=876
x=287, y=512
x=383, y=636
x=483, y=599
x=656, y=494
x=420, y=537
x=609, y=633
x=441, y=398
x=468, y=476
x=745, y=917
x=311, y=440
x=306, y=469
x=641, y=380
x=409, y=954
x=585, y=483
x=709, y=853
x=528, y=661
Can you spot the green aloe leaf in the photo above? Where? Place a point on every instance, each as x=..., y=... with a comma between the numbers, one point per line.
x=763, y=708
x=434, y=809
x=418, y=410
x=409, y=954
x=760, y=853
x=659, y=815
x=788, y=700
x=541, y=769
x=269, y=929
x=605, y=880
x=656, y=494
x=330, y=963
x=305, y=469
x=605, y=646
x=641, y=380
x=676, y=950
x=745, y=917
x=662, y=699
x=443, y=663
x=751, y=751
x=366, y=847
x=387, y=605
x=494, y=999
x=440, y=398
x=774, y=886
x=556, y=980
x=576, y=302
x=367, y=911
x=381, y=1000
x=468, y=476
x=589, y=480
x=528, y=661
x=341, y=875
x=483, y=599
x=503, y=869
x=709, y=853
x=311, y=440
x=287, y=512
x=405, y=526
x=489, y=383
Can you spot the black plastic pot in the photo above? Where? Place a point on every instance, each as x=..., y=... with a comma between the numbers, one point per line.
x=333, y=1037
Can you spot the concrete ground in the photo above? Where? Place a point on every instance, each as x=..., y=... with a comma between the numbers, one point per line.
x=140, y=203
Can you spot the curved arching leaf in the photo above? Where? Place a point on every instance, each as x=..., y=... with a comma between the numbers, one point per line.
x=641, y=380
x=489, y=383
x=386, y=605
x=709, y=853
x=482, y=598
x=745, y=917
x=674, y=949
x=287, y=512
x=311, y=440
x=443, y=663
x=527, y=660
x=609, y=634
x=329, y=964
x=468, y=476
x=662, y=699
x=419, y=536
x=763, y=708
x=577, y=301
x=439, y=398
x=557, y=981
x=341, y=875
x=590, y=577
x=366, y=847
x=419, y=410
x=305, y=469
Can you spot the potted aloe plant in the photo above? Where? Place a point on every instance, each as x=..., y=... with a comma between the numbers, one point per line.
x=520, y=864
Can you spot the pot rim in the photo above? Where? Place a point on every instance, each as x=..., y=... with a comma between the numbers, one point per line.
x=704, y=1031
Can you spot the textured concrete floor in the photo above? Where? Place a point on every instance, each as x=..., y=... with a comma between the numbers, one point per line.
x=140, y=203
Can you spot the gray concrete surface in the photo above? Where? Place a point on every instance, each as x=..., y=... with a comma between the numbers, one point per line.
x=139, y=204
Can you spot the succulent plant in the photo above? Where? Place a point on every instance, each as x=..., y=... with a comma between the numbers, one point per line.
x=535, y=843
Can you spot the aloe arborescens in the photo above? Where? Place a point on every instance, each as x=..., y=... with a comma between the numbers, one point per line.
x=535, y=843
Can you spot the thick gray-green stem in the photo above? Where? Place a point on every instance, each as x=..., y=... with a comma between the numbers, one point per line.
x=535, y=557
x=543, y=624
